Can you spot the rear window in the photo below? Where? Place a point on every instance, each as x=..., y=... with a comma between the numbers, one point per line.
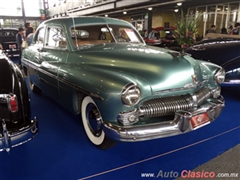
x=8, y=33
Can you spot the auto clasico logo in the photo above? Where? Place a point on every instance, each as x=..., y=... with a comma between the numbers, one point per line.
x=197, y=174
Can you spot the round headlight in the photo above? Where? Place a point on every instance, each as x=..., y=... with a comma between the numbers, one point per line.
x=219, y=76
x=131, y=94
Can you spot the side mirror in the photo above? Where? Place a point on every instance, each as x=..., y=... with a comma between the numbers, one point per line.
x=104, y=29
x=80, y=34
x=84, y=34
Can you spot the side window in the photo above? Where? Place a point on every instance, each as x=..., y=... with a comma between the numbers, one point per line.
x=39, y=38
x=56, y=38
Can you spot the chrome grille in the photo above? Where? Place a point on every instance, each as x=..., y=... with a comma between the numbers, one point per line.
x=202, y=95
x=169, y=105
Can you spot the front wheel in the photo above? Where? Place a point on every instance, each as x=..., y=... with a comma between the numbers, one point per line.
x=92, y=123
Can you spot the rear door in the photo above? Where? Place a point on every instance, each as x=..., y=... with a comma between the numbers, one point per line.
x=31, y=56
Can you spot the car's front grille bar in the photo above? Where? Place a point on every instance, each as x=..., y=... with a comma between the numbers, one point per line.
x=169, y=105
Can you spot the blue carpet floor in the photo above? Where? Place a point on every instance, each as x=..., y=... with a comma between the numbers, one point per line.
x=62, y=151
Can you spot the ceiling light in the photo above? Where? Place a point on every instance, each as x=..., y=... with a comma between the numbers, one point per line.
x=150, y=8
x=124, y=12
x=179, y=4
x=175, y=10
x=106, y=15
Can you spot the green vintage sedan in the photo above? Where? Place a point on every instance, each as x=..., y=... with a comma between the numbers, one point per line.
x=124, y=89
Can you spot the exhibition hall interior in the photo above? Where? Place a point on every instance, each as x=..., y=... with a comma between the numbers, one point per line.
x=119, y=89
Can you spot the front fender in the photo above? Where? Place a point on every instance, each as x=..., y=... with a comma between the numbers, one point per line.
x=104, y=86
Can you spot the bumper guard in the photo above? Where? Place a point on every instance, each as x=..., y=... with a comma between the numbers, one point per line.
x=9, y=139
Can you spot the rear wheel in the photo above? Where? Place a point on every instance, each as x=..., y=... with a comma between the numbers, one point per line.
x=32, y=86
x=92, y=123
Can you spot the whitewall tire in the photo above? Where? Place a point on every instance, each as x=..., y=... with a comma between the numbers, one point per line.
x=92, y=123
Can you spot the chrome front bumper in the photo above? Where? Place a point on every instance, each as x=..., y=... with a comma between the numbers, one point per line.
x=9, y=139
x=183, y=122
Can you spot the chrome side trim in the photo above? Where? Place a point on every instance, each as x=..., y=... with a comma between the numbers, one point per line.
x=179, y=125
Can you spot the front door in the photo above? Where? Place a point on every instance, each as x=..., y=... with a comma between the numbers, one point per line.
x=52, y=56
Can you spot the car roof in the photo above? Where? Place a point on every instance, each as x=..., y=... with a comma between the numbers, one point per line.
x=69, y=21
x=163, y=28
x=8, y=29
x=222, y=36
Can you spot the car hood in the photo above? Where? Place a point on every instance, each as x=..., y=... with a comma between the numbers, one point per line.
x=160, y=68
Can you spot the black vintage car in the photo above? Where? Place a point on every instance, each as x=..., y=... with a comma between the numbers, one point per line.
x=8, y=41
x=222, y=50
x=16, y=126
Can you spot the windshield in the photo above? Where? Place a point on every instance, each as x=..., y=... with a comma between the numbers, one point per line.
x=99, y=34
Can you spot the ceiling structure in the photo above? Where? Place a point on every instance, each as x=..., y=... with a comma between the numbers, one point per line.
x=165, y=5
x=114, y=8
